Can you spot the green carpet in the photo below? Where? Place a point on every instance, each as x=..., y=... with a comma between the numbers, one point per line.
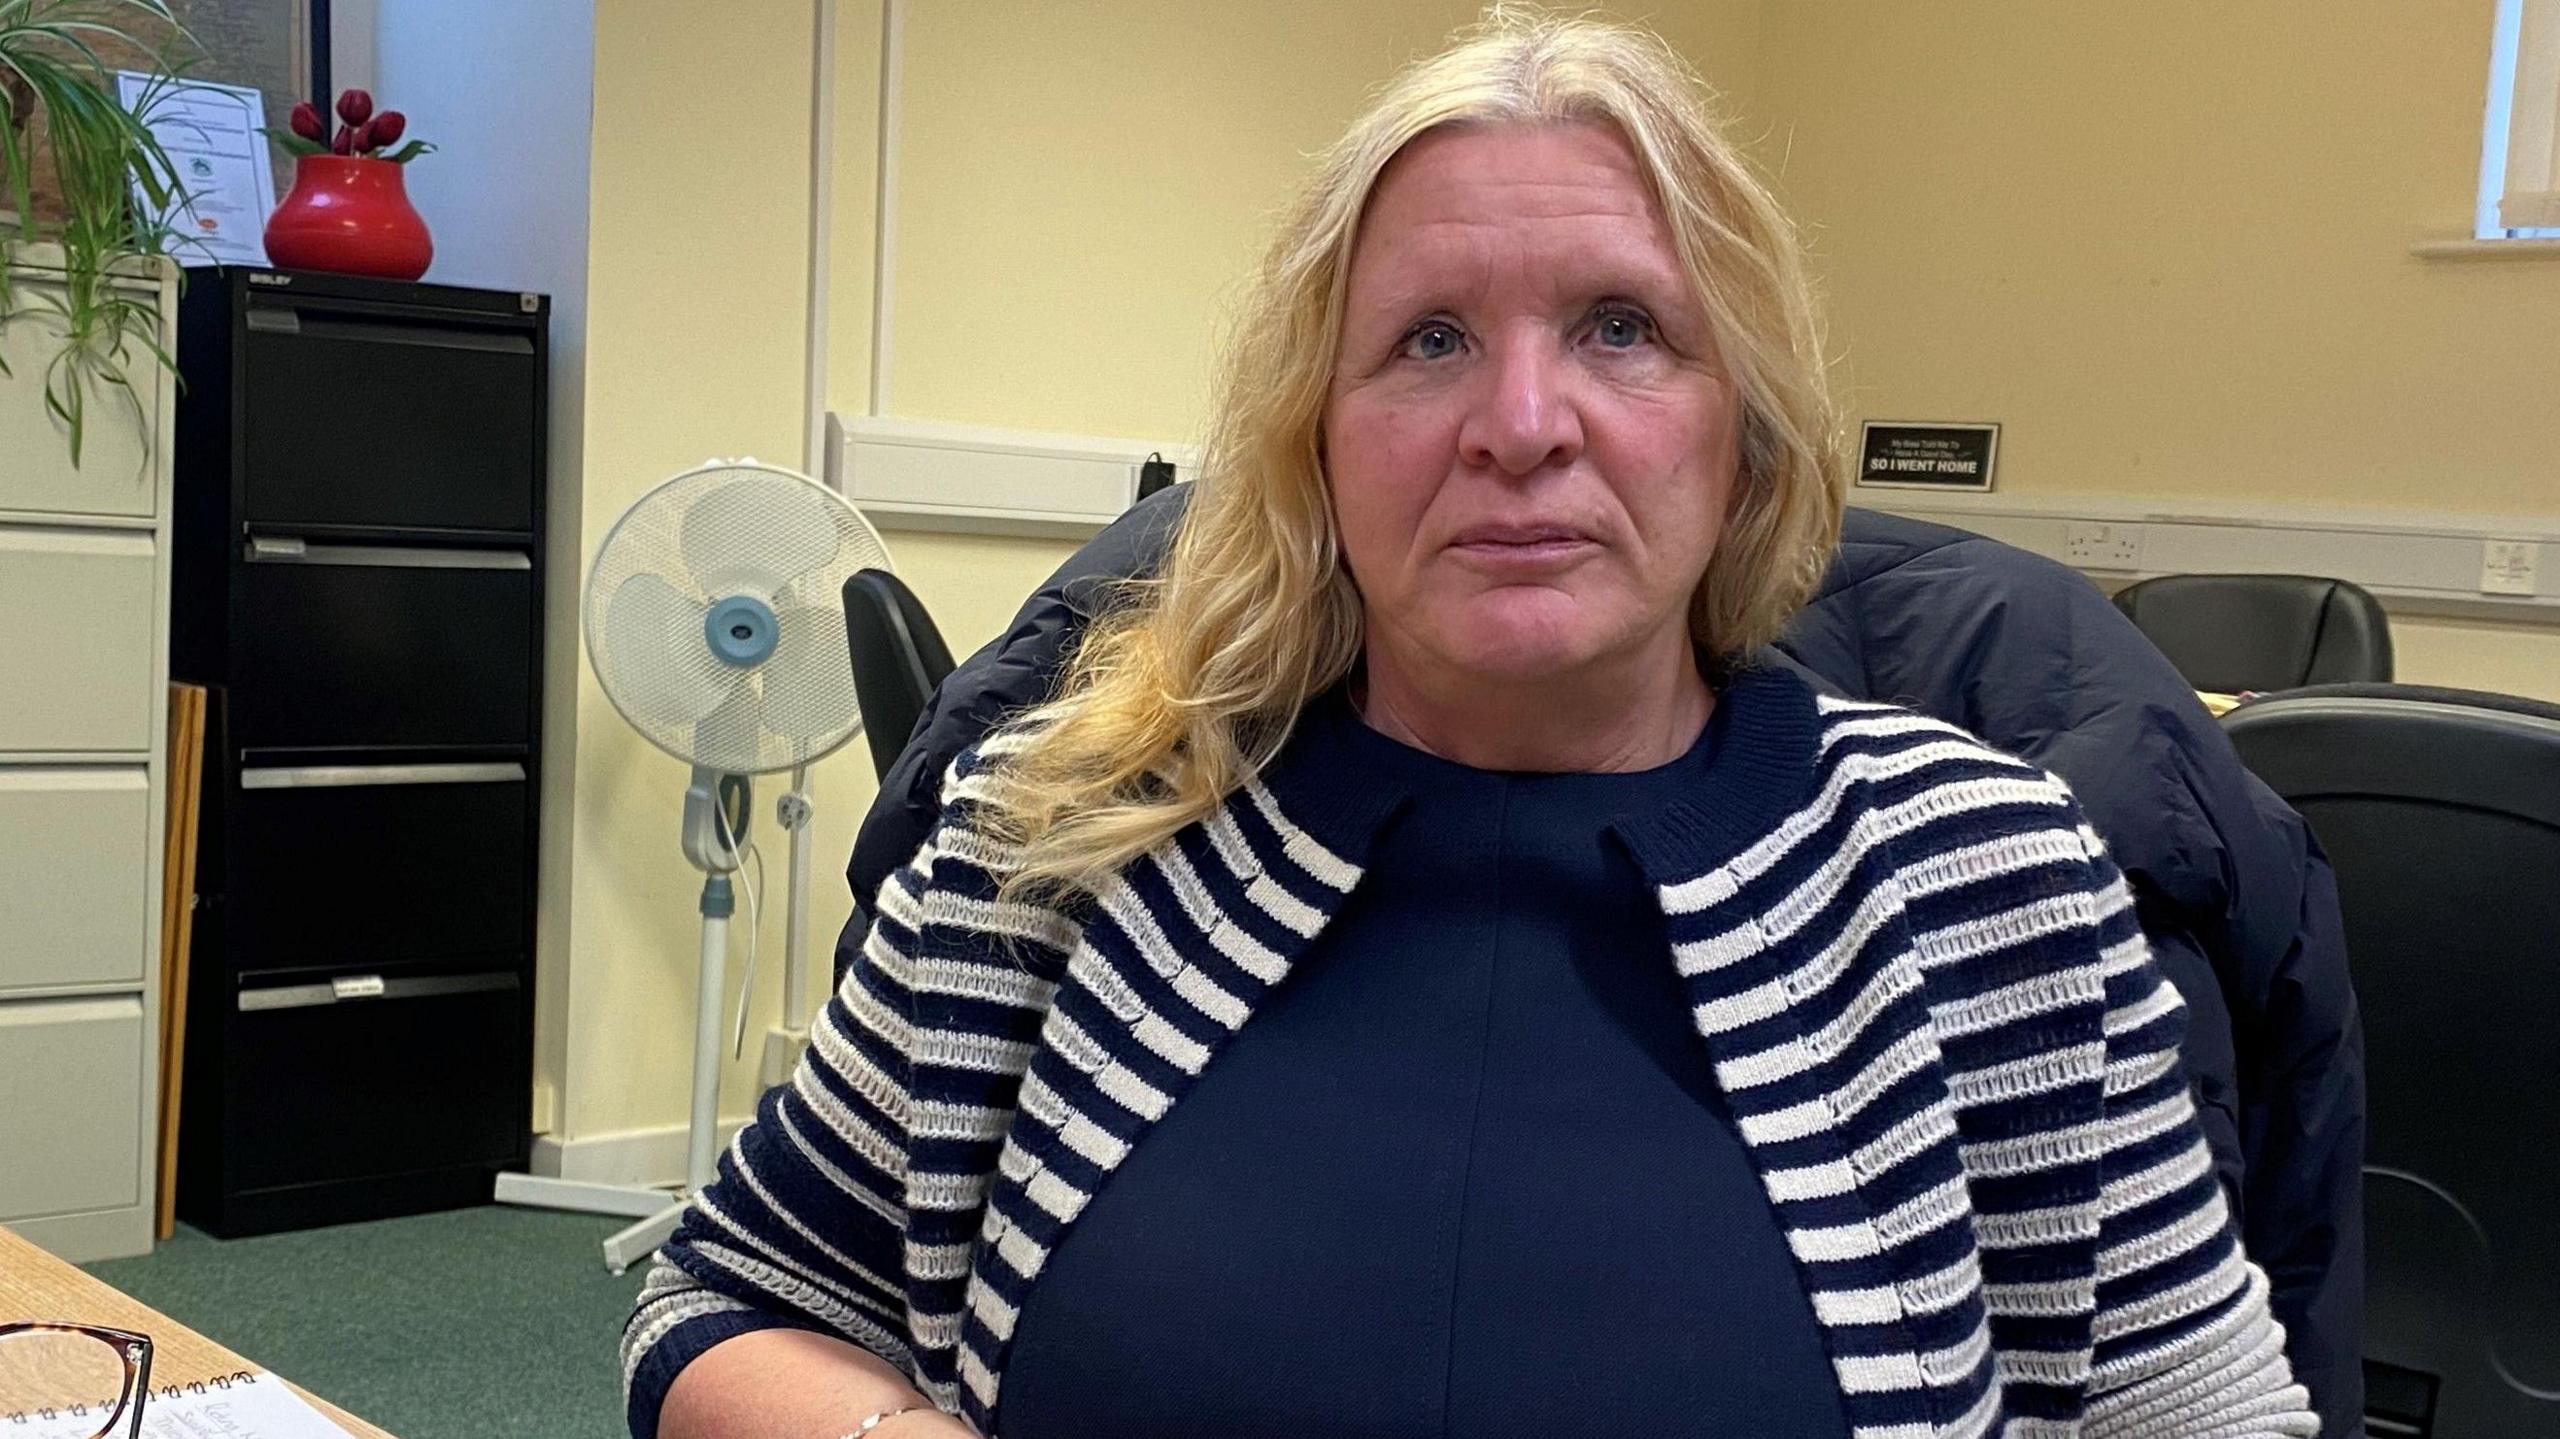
x=478, y=1322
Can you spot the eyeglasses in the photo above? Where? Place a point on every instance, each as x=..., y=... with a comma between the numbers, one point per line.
x=78, y=1381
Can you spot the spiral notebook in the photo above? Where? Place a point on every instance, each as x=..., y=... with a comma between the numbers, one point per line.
x=246, y=1405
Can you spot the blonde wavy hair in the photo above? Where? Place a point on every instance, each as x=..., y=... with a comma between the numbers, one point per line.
x=1188, y=689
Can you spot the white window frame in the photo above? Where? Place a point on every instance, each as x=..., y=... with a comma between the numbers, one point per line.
x=2520, y=134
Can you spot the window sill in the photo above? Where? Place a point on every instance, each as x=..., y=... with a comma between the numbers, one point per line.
x=2486, y=250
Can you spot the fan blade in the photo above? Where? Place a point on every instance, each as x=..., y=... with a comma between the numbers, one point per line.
x=754, y=533
x=654, y=661
x=808, y=685
x=818, y=588
x=730, y=738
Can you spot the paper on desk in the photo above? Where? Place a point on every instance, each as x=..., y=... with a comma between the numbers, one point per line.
x=256, y=1406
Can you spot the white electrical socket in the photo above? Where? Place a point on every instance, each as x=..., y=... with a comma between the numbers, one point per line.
x=2101, y=545
x=2507, y=567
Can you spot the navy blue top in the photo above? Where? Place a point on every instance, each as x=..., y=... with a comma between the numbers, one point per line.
x=1476, y=1118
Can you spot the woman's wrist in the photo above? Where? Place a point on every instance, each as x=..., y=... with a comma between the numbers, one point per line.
x=899, y=1421
x=787, y=1381
x=871, y=1423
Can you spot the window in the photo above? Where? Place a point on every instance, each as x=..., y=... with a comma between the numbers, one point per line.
x=252, y=42
x=2520, y=143
x=264, y=43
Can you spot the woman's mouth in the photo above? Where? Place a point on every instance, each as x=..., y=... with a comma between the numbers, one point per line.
x=1522, y=546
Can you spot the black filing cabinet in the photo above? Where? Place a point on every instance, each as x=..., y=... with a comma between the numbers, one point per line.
x=358, y=579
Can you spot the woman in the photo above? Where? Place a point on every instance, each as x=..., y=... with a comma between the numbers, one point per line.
x=1415, y=979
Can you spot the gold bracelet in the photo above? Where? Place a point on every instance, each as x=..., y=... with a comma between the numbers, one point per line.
x=883, y=1417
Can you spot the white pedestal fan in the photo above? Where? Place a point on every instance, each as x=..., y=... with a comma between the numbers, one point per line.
x=715, y=624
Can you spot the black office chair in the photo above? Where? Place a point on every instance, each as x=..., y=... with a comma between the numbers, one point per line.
x=2236, y=633
x=2440, y=810
x=898, y=657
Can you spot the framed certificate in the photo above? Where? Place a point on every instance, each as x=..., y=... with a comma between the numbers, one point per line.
x=211, y=134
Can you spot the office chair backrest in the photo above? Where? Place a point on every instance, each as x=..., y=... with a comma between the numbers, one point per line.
x=2234, y=633
x=2440, y=810
x=898, y=657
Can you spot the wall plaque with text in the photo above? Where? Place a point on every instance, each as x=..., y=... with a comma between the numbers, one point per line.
x=1912, y=454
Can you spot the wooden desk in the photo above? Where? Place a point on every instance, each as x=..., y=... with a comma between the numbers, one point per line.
x=35, y=1285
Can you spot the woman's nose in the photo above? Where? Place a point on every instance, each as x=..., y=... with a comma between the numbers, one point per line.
x=1521, y=418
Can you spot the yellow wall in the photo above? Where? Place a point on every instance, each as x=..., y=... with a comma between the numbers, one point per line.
x=696, y=307
x=2167, y=247
x=2478, y=655
x=1084, y=185
x=970, y=583
x=2167, y=244
x=1080, y=187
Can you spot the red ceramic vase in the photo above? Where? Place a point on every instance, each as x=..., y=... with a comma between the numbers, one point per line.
x=350, y=215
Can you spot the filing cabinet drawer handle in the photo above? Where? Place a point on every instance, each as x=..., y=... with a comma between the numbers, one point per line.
x=271, y=550
x=307, y=996
x=276, y=320
x=353, y=776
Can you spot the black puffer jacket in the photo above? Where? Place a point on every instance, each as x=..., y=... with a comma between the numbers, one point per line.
x=2233, y=892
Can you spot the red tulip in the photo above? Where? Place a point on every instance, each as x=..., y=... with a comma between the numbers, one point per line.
x=389, y=126
x=307, y=123
x=364, y=141
x=355, y=106
x=345, y=144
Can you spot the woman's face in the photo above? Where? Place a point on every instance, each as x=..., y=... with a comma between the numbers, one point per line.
x=1530, y=439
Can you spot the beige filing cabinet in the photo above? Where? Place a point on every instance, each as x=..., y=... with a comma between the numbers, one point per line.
x=84, y=667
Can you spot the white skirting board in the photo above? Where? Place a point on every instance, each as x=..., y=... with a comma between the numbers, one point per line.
x=629, y=1156
x=923, y=475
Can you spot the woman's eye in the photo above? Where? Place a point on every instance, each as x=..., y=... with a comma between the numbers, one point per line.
x=1432, y=340
x=1621, y=329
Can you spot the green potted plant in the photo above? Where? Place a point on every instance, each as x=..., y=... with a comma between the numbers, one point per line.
x=71, y=158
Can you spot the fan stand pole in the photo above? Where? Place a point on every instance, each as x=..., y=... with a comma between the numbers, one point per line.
x=702, y=1139
x=661, y=1210
x=702, y=1142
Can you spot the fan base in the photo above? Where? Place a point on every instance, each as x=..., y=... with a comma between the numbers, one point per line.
x=658, y=1210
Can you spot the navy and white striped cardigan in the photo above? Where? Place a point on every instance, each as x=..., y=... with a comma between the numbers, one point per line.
x=1917, y=973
